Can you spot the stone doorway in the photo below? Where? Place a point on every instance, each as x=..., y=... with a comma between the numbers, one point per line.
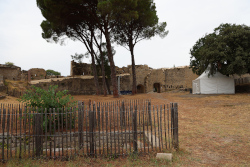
x=157, y=87
x=140, y=89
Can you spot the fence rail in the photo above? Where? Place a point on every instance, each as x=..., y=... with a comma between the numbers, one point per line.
x=113, y=128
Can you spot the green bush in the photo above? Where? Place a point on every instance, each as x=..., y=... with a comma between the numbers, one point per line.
x=9, y=63
x=39, y=99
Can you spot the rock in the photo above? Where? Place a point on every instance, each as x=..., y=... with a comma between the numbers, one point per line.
x=167, y=156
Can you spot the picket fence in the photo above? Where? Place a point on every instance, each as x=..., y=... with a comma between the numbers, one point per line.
x=92, y=129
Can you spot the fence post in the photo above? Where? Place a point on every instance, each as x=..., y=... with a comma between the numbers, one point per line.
x=80, y=123
x=3, y=127
x=122, y=114
x=135, y=130
x=91, y=131
x=149, y=113
x=38, y=135
x=175, y=127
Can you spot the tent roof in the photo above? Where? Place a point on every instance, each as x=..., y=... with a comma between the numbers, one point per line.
x=204, y=75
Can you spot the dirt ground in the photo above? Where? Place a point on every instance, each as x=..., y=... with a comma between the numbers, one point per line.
x=214, y=130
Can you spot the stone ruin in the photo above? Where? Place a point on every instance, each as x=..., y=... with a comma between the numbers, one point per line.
x=81, y=80
x=148, y=79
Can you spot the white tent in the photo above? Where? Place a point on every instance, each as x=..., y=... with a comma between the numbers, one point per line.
x=216, y=84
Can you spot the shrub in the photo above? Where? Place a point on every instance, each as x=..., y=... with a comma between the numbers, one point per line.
x=40, y=99
x=9, y=63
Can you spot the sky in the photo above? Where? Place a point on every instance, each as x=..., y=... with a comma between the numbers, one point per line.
x=187, y=21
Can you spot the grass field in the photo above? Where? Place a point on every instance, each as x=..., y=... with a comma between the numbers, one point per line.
x=214, y=130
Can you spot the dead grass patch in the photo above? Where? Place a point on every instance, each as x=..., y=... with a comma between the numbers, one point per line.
x=213, y=131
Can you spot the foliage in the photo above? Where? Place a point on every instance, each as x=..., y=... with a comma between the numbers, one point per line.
x=80, y=20
x=144, y=25
x=40, y=99
x=105, y=58
x=75, y=20
x=52, y=72
x=79, y=57
x=9, y=63
x=226, y=50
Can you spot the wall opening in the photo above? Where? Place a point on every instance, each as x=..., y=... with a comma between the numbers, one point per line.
x=157, y=87
x=140, y=89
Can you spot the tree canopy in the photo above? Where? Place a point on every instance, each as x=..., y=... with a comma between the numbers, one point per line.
x=127, y=21
x=226, y=50
x=52, y=72
x=144, y=25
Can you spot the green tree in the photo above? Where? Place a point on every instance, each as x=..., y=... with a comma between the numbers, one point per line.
x=110, y=13
x=129, y=32
x=71, y=19
x=52, y=72
x=104, y=66
x=79, y=57
x=226, y=50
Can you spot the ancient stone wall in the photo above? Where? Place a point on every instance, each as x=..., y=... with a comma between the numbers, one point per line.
x=24, y=75
x=189, y=77
x=147, y=79
x=179, y=77
x=75, y=86
x=241, y=80
x=155, y=81
x=53, y=76
x=80, y=69
x=37, y=73
x=10, y=72
x=125, y=83
x=1, y=80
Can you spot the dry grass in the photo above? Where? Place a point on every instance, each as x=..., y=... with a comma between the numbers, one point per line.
x=213, y=131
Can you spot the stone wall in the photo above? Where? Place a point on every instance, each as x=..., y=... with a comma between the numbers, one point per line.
x=37, y=73
x=75, y=86
x=179, y=77
x=80, y=69
x=241, y=80
x=24, y=75
x=10, y=72
x=156, y=81
x=147, y=79
x=1, y=80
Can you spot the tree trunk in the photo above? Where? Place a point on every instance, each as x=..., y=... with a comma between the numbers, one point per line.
x=134, y=89
x=112, y=64
x=94, y=66
x=103, y=75
x=108, y=86
x=101, y=65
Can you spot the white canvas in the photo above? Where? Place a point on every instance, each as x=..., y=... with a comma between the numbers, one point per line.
x=216, y=84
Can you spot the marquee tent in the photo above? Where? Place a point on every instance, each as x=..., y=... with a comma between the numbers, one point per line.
x=216, y=84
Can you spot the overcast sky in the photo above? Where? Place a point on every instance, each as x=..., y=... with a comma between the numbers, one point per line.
x=187, y=21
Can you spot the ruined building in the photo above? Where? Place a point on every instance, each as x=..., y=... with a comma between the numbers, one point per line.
x=81, y=81
x=148, y=79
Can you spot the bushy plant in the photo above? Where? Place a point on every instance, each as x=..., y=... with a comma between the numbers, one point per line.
x=9, y=63
x=39, y=100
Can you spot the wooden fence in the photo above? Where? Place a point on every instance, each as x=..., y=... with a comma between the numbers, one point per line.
x=113, y=128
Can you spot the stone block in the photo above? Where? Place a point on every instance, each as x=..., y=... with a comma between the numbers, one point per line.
x=167, y=156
